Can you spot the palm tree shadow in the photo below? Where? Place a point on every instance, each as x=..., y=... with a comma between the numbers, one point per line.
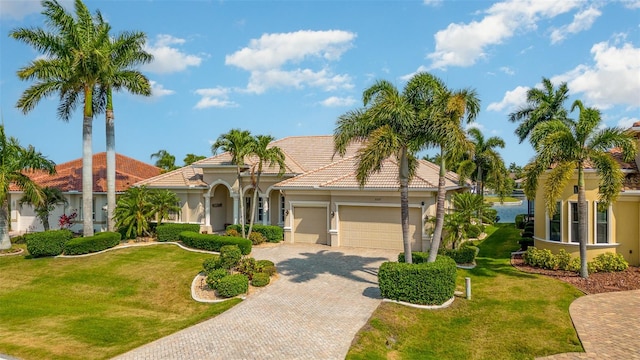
x=353, y=267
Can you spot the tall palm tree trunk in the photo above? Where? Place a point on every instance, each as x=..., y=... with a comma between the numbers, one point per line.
x=404, y=204
x=480, y=184
x=5, y=241
x=254, y=204
x=442, y=191
x=87, y=165
x=241, y=199
x=45, y=222
x=111, y=162
x=582, y=223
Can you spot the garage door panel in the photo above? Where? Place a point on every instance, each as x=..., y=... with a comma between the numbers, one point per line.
x=378, y=227
x=310, y=225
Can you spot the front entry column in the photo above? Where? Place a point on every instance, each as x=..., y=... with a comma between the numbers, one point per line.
x=206, y=228
x=265, y=209
x=236, y=205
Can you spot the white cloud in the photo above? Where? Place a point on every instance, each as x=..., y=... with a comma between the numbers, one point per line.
x=420, y=69
x=17, y=10
x=512, y=100
x=613, y=78
x=475, y=125
x=214, y=97
x=463, y=44
x=335, y=101
x=632, y=4
x=626, y=122
x=157, y=90
x=268, y=60
x=507, y=70
x=581, y=21
x=167, y=58
x=434, y=3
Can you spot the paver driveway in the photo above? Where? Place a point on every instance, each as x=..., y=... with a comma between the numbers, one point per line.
x=322, y=298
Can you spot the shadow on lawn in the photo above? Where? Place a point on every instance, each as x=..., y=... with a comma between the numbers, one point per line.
x=357, y=268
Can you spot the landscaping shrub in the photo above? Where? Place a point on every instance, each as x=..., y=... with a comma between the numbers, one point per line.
x=606, y=262
x=232, y=285
x=233, y=232
x=416, y=256
x=492, y=215
x=260, y=279
x=520, y=221
x=269, y=269
x=257, y=238
x=47, y=243
x=463, y=255
x=272, y=233
x=171, y=232
x=91, y=244
x=214, y=277
x=247, y=266
x=20, y=239
x=424, y=283
x=542, y=258
x=213, y=242
x=525, y=243
x=563, y=259
x=230, y=256
x=474, y=231
x=266, y=266
x=211, y=263
x=609, y=262
x=264, y=263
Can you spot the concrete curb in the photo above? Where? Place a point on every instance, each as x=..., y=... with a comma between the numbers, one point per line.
x=195, y=297
x=446, y=304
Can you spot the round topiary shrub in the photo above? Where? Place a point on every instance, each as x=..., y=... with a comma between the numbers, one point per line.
x=263, y=263
x=257, y=238
x=260, y=279
x=214, y=277
x=230, y=256
x=266, y=266
x=247, y=266
x=232, y=285
x=211, y=263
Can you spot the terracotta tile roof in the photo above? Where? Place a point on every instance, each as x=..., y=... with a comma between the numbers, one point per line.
x=342, y=174
x=184, y=177
x=68, y=175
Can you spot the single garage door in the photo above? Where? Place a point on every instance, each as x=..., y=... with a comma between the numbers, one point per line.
x=378, y=227
x=310, y=225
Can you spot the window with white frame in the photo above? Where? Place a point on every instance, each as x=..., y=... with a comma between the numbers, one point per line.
x=174, y=215
x=573, y=222
x=260, y=209
x=282, y=202
x=601, y=223
x=555, y=225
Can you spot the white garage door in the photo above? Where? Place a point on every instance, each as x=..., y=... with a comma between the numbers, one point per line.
x=310, y=225
x=378, y=227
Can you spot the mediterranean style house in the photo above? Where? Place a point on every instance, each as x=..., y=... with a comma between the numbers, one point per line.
x=68, y=179
x=615, y=230
x=317, y=200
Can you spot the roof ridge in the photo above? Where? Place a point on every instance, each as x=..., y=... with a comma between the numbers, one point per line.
x=316, y=169
x=164, y=175
x=338, y=178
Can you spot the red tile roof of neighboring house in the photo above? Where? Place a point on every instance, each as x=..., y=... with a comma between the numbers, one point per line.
x=68, y=175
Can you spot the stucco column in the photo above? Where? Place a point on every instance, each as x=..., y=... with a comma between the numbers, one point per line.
x=265, y=209
x=206, y=228
x=236, y=205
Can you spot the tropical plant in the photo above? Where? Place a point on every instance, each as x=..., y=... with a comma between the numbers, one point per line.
x=74, y=52
x=239, y=144
x=118, y=72
x=542, y=105
x=165, y=160
x=566, y=146
x=472, y=208
x=45, y=204
x=15, y=160
x=191, y=158
x=265, y=154
x=163, y=203
x=486, y=161
x=134, y=211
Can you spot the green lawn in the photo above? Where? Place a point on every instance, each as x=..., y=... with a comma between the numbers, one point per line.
x=99, y=306
x=512, y=315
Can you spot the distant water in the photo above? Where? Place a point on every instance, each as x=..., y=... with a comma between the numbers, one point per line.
x=508, y=213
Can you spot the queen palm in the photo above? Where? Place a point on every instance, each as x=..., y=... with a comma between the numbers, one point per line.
x=46, y=204
x=74, y=53
x=15, y=162
x=164, y=160
x=163, y=203
x=486, y=159
x=239, y=144
x=564, y=147
x=542, y=105
x=265, y=154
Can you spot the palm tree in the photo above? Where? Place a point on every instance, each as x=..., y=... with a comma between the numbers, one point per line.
x=15, y=162
x=239, y=143
x=125, y=52
x=134, y=210
x=191, y=158
x=564, y=147
x=46, y=204
x=164, y=202
x=542, y=105
x=272, y=156
x=485, y=157
x=166, y=161
x=74, y=54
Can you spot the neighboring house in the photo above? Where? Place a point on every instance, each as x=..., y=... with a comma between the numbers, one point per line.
x=615, y=230
x=68, y=179
x=317, y=200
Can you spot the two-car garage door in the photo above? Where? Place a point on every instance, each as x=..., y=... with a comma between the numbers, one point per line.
x=378, y=227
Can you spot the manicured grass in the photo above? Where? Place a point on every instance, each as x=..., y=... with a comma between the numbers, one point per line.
x=512, y=315
x=507, y=199
x=98, y=306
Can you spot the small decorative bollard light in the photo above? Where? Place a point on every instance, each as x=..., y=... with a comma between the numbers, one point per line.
x=467, y=282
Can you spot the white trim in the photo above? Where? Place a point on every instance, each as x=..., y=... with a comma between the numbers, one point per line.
x=548, y=220
x=576, y=244
x=218, y=182
x=570, y=221
x=595, y=224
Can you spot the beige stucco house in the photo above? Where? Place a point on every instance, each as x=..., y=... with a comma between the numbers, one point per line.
x=615, y=230
x=68, y=178
x=317, y=200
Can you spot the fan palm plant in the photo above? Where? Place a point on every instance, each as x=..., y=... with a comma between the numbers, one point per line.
x=46, y=204
x=134, y=211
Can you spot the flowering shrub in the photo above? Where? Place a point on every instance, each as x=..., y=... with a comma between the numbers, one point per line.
x=65, y=221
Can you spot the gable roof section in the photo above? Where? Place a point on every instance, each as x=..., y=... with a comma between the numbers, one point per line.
x=185, y=177
x=68, y=175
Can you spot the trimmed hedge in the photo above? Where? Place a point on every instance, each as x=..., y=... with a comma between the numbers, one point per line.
x=214, y=277
x=47, y=243
x=171, y=232
x=544, y=258
x=260, y=279
x=213, y=242
x=424, y=284
x=273, y=233
x=91, y=244
x=520, y=221
x=232, y=285
x=463, y=255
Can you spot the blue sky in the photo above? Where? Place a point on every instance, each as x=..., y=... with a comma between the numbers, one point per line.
x=293, y=67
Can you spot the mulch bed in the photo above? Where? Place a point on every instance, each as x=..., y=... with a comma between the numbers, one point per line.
x=597, y=283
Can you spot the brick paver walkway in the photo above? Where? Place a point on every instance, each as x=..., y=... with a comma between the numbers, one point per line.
x=321, y=299
x=608, y=326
